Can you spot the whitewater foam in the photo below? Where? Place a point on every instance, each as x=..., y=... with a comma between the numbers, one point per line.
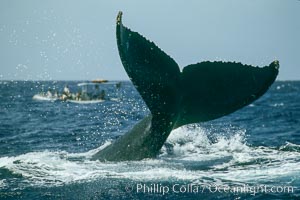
x=189, y=154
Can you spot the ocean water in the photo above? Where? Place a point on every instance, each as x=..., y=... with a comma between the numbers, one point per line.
x=46, y=146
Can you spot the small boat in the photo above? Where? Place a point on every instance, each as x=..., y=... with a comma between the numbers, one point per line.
x=88, y=92
x=99, y=81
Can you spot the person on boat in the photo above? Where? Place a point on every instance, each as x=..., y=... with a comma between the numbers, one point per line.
x=95, y=94
x=102, y=95
x=49, y=94
x=78, y=96
x=66, y=90
x=66, y=93
x=55, y=94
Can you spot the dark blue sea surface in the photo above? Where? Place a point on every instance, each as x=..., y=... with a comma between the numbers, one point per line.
x=46, y=146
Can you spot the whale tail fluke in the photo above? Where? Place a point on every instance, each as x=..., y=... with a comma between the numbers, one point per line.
x=214, y=89
x=155, y=75
x=201, y=92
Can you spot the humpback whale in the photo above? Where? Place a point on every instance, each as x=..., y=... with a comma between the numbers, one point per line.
x=201, y=92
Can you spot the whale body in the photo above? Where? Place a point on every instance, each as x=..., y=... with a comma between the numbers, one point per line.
x=201, y=92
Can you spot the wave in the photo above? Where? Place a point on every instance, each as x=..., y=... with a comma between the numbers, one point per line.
x=189, y=154
x=40, y=97
x=86, y=102
x=231, y=157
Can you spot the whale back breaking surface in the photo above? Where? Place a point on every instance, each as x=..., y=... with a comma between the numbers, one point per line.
x=201, y=92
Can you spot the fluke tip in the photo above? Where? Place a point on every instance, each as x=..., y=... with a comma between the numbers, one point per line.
x=119, y=17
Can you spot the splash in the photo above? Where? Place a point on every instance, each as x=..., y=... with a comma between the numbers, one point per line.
x=194, y=143
x=190, y=154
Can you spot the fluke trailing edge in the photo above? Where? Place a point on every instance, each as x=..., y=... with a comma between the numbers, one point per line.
x=201, y=92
